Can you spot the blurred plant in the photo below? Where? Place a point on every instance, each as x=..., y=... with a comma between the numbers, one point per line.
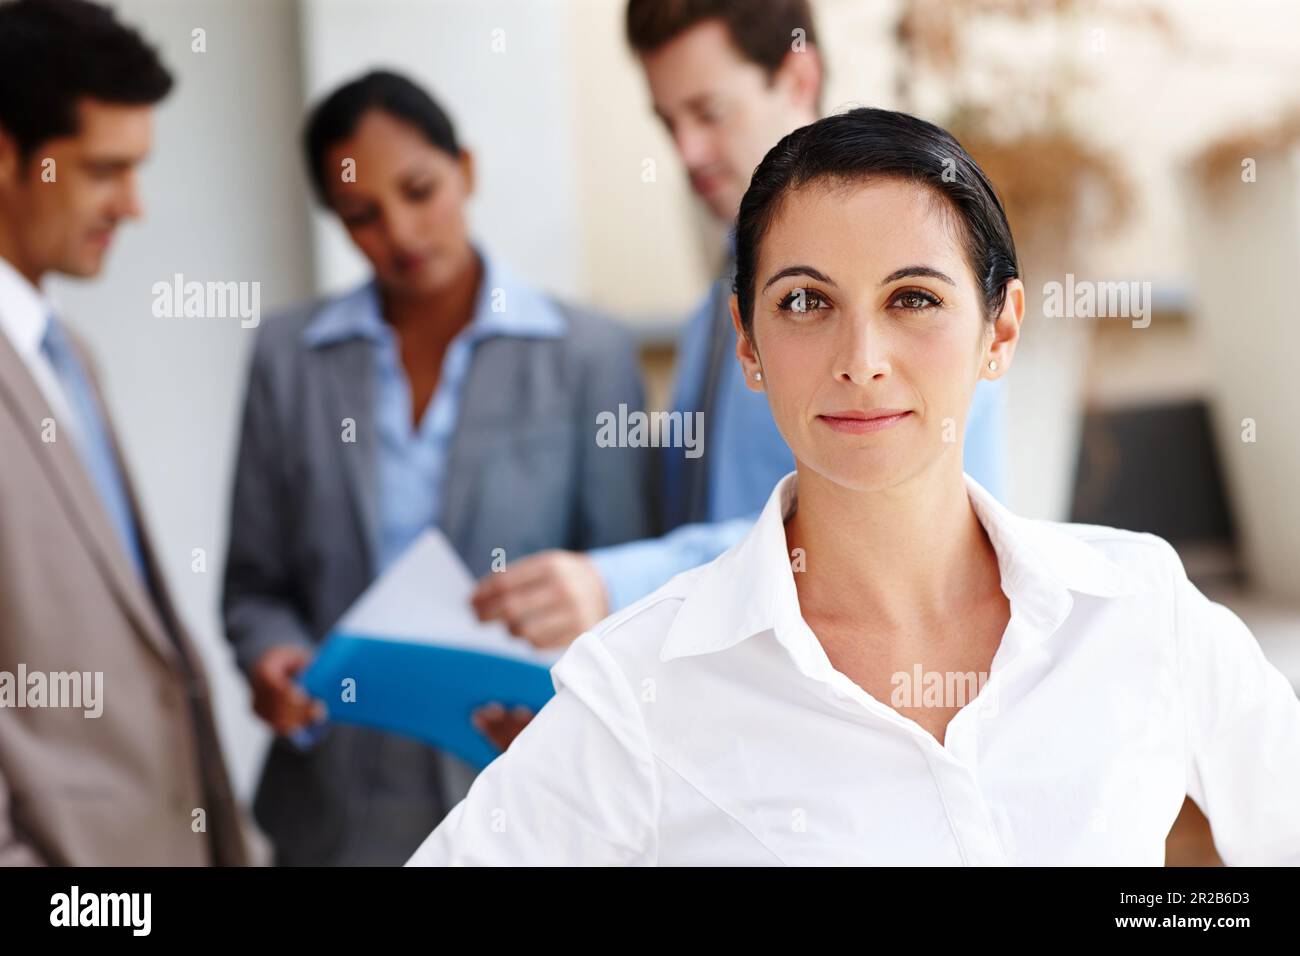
x=1218, y=165
x=1012, y=113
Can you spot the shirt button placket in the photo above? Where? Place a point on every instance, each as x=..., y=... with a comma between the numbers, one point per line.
x=972, y=821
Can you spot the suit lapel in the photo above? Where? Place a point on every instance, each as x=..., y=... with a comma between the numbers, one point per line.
x=79, y=498
x=492, y=363
x=162, y=602
x=347, y=371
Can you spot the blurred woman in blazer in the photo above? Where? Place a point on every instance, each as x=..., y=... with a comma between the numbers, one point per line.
x=443, y=392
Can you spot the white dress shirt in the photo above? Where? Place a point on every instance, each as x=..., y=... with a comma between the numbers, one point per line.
x=705, y=724
x=24, y=313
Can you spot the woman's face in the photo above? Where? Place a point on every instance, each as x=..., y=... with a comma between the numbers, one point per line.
x=406, y=209
x=864, y=304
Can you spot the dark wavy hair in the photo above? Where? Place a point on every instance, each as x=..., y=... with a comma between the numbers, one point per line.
x=336, y=117
x=864, y=144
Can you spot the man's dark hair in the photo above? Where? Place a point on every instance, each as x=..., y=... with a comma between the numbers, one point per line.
x=336, y=117
x=762, y=30
x=865, y=144
x=54, y=53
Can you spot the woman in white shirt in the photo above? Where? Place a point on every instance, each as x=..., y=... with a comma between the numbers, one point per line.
x=892, y=668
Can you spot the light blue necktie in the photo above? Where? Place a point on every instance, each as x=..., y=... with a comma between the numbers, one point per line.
x=93, y=443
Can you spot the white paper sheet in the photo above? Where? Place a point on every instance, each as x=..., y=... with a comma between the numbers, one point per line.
x=424, y=598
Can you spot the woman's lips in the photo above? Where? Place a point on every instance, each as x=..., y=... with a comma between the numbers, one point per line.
x=410, y=263
x=705, y=185
x=857, y=423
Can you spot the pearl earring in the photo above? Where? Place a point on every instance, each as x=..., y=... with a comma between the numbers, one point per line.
x=758, y=376
x=993, y=365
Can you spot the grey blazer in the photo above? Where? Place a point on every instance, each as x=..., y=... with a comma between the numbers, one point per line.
x=524, y=473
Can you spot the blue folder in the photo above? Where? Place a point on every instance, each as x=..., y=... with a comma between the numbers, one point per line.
x=425, y=691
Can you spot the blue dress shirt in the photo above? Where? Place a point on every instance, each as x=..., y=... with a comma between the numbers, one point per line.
x=412, y=462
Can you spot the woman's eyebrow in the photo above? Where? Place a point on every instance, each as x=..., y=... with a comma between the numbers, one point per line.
x=808, y=271
x=414, y=174
x=918, y=272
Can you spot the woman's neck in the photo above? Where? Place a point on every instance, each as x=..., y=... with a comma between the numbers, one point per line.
x=913, y=552
x=439, y=313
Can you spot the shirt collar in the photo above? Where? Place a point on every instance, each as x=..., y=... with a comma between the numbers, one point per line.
x=24, y=311
x=750, y=589
x=353, y=315
x=503, y=306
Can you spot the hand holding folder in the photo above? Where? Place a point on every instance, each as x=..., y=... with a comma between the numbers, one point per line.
x=410, y=657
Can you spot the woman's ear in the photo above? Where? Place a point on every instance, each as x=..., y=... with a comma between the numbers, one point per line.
x=802, y=74
x=745, y=351
x=1001, y=345
x=466, y=162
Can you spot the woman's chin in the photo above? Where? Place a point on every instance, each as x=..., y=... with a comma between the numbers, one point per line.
x=415, y=286
x=861, y=469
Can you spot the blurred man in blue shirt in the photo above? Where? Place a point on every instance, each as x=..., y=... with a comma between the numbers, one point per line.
x=728, y=79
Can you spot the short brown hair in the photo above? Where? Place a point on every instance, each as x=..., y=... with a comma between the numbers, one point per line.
x=57, y=52
x=762, y=30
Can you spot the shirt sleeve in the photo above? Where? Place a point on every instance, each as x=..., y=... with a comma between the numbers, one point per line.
x=631, y=571
x=257, y=603
x=1243, y=733
x=576, y=788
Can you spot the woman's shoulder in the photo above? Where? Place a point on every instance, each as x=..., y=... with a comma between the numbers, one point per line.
x=589, y=330
x=1129, y=562
x=1109, y=538
x=559, y=318
x=634, y=637
x=306, y=325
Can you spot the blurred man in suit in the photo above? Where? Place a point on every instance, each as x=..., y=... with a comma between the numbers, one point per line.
x=728, y=79
x=136, y=776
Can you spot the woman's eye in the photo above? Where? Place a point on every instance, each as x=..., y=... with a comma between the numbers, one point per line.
x=357, y=219
x=801, y=300
x=916, y=299
x=420, y=193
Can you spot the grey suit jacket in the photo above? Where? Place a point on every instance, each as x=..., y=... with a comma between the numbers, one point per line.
x=524, y=473
x=120, y=789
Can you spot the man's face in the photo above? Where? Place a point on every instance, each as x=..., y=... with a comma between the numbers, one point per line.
x=63, y=204
x=724, y=112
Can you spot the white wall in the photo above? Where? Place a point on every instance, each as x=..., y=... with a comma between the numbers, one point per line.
x=224, y=200
x=500, y=70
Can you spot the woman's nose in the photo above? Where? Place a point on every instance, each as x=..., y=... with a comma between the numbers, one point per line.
x=861, y=350
x=402, y=228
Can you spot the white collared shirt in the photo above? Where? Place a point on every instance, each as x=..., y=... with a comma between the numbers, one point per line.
x=24, y=313
x=705, y=724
